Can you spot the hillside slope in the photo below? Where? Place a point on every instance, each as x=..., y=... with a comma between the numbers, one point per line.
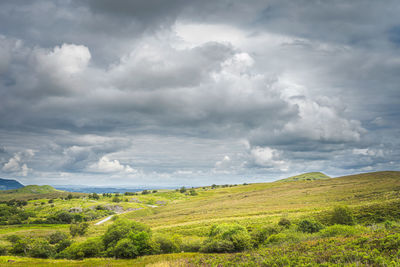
x=309, y=176
x=7, y=184
x=267, y=202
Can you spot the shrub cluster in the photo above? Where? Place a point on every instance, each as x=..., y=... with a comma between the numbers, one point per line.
x=227, y=238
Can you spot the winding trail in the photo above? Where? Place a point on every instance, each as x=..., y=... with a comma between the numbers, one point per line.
x=109, y=217
x=104, y=220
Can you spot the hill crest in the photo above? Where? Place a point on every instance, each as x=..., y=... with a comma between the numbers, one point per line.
x=309, y=176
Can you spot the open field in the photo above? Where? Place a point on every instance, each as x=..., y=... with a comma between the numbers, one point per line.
x=190, y=217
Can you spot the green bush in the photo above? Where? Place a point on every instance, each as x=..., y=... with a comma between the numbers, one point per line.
x=120, y=229
x=260, y=234
x=3, y=251
x=92, y=247
x=76, y=229
x=41, y=248
x=309, y=226
x=378, y=212
x=127, y=239
x=20, y=246
x=191, y=244
x=227, y=238
x=63, y=245
x=136, y=244
x=342, y=215
x=193, y=192
x=338, y=230
x=57, y=237
x=284, y=222
x=168, y=244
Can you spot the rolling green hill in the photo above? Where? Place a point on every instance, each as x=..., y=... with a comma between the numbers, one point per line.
x=33, y=191
x=309, y=176
x=373, y=199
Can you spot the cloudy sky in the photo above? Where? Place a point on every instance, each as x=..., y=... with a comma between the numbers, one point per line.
x=169, y=93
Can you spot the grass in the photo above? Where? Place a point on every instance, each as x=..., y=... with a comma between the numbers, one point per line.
x=250, y=205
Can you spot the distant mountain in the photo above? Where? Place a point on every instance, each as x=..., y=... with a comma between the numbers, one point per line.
x=309, y=176
x=7, y=184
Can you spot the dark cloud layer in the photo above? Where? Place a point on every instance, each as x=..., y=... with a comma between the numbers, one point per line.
x=196, y=92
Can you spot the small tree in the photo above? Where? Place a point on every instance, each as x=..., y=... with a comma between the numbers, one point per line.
x=182, y=190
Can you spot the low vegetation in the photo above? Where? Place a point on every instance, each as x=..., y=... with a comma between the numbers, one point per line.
x=352, y=220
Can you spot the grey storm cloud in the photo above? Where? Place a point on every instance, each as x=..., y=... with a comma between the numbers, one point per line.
x=193, y=92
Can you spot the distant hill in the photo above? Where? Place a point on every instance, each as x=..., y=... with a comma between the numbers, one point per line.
x=309, y=176
x=34, y=192
x=7, y=184
x=36, y=189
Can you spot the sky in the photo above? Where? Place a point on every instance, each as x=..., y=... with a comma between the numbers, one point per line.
x=170, y=93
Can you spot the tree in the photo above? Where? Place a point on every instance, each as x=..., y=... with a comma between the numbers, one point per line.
x=182, y=189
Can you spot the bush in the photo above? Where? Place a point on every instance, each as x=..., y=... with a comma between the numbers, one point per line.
x=63, y=245
x=191, y=244
x=342, y=215
x=3, y=251
x=182, y=189
x=116, y=199
x=227, y=238
x=193, y=192
x=120, y=229
x=309, y=226
x=136, y=244
x=60, y=217
x=76, y=229
x=260, y=235
x=20, y=246
x=338, y=230
x=41, y=248
x=57, y=237
x=284, y=222
x=168, y=244
x=92, y=247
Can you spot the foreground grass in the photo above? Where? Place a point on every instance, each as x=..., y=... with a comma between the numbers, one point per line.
x=375, y=246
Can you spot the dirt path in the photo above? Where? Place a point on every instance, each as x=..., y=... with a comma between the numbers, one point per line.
x=104, y=220
x=109, y=217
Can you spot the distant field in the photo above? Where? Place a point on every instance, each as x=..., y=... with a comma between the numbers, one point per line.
x=261, y=204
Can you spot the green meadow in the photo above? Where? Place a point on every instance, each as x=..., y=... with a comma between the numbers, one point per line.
x=309, y=219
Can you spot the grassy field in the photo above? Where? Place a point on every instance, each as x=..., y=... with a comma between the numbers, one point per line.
x=253, y=205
